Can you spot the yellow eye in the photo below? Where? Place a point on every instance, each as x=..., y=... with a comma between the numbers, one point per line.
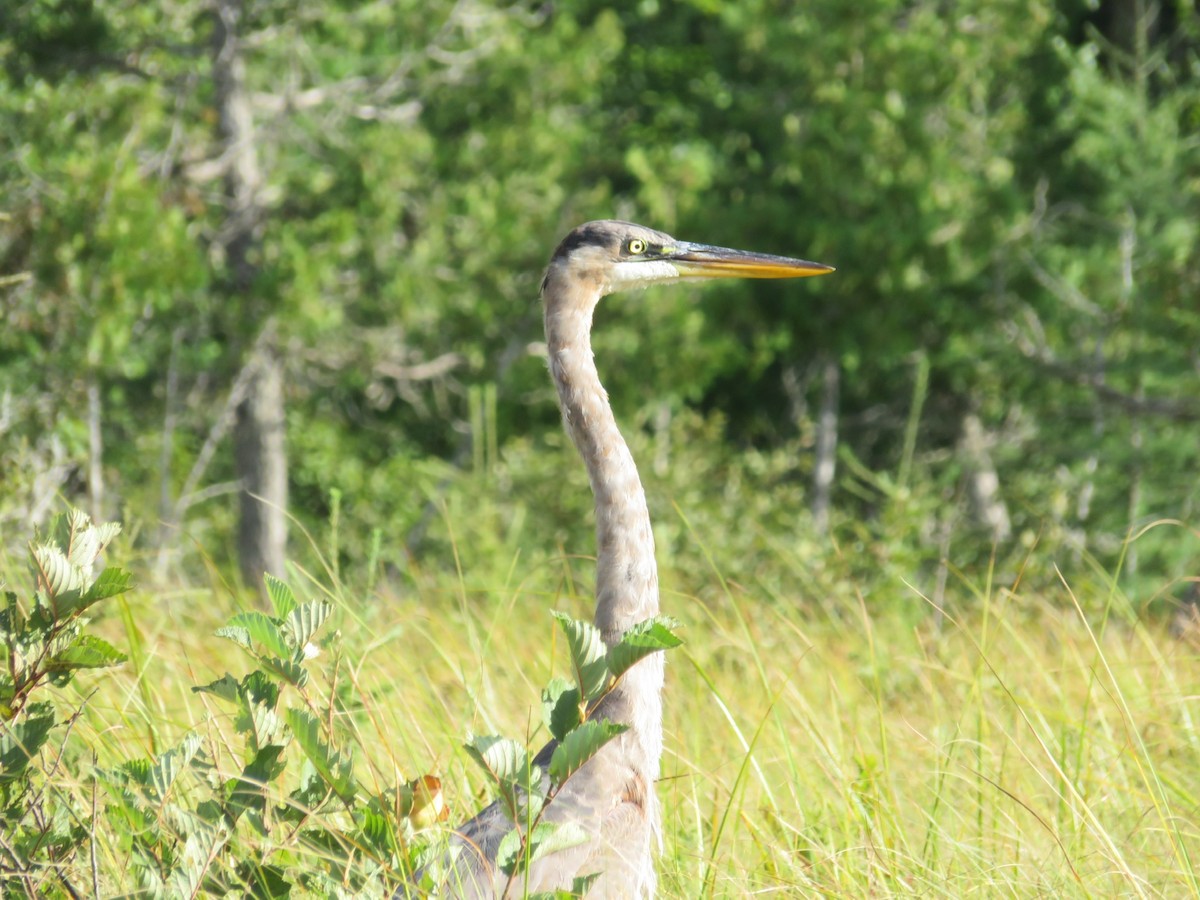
x=636, y=246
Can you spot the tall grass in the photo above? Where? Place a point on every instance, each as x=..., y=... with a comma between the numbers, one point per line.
x=1026, y=741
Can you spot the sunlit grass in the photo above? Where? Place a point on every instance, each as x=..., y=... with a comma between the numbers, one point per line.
x=1021, y=743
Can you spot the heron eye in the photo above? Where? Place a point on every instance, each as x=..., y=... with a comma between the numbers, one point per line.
x=636, y=246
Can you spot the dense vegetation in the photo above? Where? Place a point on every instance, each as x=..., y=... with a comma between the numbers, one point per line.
x=1004, y=370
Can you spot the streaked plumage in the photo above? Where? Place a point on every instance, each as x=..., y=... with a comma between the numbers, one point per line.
x=613, y=796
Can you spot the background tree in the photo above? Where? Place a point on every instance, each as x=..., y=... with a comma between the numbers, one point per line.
x=1008, y=195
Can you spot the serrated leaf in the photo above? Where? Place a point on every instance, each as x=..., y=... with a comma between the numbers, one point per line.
x=88, y=541
x=550, y=837
x=588, y=663
x=305, y=621
x=335, y=768
x=20, y=741
x=560, y=707
x=87, y=652
x=377, y=832
x=508, y=852
x=138, y=770
x=262, y=629
x=580, y=746
x=165, y=770
x=260, y=723
x=259, y=688
x=226, y=687
x=503, y=759
x=583, y=883
x=640, y=641
x=61, y=582
x=514, y=855
x=248, y=791
x=199, y=850
x=283, y=601
x=287, y=669
x=239, y=636
x=112, y=581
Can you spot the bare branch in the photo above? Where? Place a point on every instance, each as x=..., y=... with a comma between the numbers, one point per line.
x=1135, y=404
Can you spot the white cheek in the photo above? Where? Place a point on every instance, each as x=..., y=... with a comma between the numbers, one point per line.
x=625, y=275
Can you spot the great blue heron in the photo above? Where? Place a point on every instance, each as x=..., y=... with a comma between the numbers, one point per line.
x=612, y=798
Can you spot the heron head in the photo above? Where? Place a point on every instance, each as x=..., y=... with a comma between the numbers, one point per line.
x=610, y=255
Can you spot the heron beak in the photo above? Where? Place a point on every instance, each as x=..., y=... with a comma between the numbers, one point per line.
x=705, y=261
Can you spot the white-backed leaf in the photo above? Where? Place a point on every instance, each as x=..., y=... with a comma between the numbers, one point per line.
x=503, y=759
x=62, y=582
x=239, y=636
x=204, y=842
x=305, y=621
x=283, y=601
x=588, y=662
x=580, y=746
x=640, y=641
x=287, y=669
x=165, y=770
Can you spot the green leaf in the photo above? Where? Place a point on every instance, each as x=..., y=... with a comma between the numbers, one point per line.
x=513, y=855
x=581, y=745
x=87, y=652
x=640, y=641
x=20, y=741
x=165, y=770
x=588, y=662
x=62, y=582
x=282, y=599
x=305, y=621
x=239, y=636
x=248, y=791
x=112, y=581
x=203, y=842
x=582, y=884
x=335, y=768
x=82, y=541
x=260, y=689
x=138, y=770
x=377, y=832
x=503, y=759
x=287, y=669
x=550, y=837
x=507, y=764
x=261, y=628
x=560, y=707
x=226, y=687
x=509, y=858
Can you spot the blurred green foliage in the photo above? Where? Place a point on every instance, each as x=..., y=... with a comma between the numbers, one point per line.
x=1010, y=192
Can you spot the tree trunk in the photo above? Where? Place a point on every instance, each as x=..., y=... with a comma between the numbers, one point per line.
x=261, y=460
x=825, y=463
x=258, y=431
x=95, y=480
x=983, y=484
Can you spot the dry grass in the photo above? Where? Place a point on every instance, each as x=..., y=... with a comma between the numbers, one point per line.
x=1020, y=748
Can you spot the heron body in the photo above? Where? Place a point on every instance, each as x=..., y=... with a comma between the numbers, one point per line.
x=612, y=797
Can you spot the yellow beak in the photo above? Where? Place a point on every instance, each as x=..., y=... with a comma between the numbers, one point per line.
x=706, y=261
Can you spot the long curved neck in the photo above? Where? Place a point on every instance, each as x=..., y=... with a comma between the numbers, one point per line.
x=626, y=573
